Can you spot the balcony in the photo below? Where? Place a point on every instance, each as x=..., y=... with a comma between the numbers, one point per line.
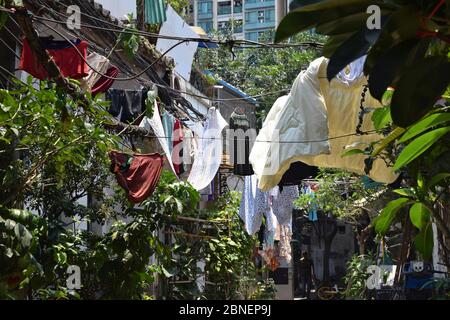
x=223, y=11
x=204, y=16
x=258, y=4
x=258, y=26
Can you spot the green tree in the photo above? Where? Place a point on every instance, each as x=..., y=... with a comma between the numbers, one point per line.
x=260, y=70
x=410, y=52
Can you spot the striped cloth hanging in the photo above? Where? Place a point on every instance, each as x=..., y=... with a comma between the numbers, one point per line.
x=155, y=11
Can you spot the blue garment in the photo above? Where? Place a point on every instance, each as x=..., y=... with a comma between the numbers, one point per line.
x=168, y=122
x=312, y=214
x=369, y=183
x=254, y=205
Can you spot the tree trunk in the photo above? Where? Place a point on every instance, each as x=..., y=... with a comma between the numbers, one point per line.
x=362, y=237
x=140, y=10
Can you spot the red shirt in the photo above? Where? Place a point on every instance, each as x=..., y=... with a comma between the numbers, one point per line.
x=138, y=174
x=69, y=61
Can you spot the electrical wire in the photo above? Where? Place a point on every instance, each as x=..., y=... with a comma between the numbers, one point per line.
x=189, y=111
x=244, y=139
x=8, y=47
x=237, y=42
x=136, y=76
x=159, y=85
x=183, y=40
x=133, y=77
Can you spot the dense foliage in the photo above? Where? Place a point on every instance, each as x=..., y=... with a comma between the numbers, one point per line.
x=54, y=155
x=357, y=276
x=408, y=51
x=260, y=70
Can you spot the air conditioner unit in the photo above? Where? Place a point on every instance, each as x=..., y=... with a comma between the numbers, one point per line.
x=261, y=14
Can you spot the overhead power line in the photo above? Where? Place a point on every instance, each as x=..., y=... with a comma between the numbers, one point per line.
x=138, y=75
x=118, y=29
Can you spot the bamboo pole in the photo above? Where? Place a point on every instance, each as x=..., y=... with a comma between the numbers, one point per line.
x=188, y=235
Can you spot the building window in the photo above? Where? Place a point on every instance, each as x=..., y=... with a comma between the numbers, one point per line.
x=257, y=1
x=252, y=36
x=205, y=7
x=237, y=6
x=206, y=25
x=224, y=7
x=238, y=26
x=258, y=36
x=223, y=25
x=260, y=16
x=269, y=15
x=251, y=17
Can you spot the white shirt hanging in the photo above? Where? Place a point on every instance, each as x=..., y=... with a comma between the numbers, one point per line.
x=209, y=152
x=156, y=125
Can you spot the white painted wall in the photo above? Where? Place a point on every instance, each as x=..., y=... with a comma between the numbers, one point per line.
x=119, y=8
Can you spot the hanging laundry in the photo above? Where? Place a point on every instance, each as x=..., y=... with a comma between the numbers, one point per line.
x=209, y=152
x=189, y=147
x=138, y=174
x=126, y=105
x=207, y=194
x=155, y=11
x=271, y=219
x=177, y=152
x=65, y=55
x=297, y=172
x=182, y=55
x=270, y=257
x=168, y=122
x=353, y=72
x=283, y=204
x=155, y=124
x=254, y=204
x=285, y=243
x=240, y=150
x=97, y=65
x=314, y=111
x=312, y=214
x=104, y=83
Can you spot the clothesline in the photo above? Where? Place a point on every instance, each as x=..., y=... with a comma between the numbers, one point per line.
x=277, y=142
x=183, y=104
x=138, y=75
x=259, y=141
x=228, y=43
x=267, y=141
x=93, y=69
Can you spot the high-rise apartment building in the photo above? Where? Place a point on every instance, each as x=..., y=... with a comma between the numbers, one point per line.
x=248, y=19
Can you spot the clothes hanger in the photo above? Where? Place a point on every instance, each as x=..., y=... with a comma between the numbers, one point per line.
x=239, y=110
